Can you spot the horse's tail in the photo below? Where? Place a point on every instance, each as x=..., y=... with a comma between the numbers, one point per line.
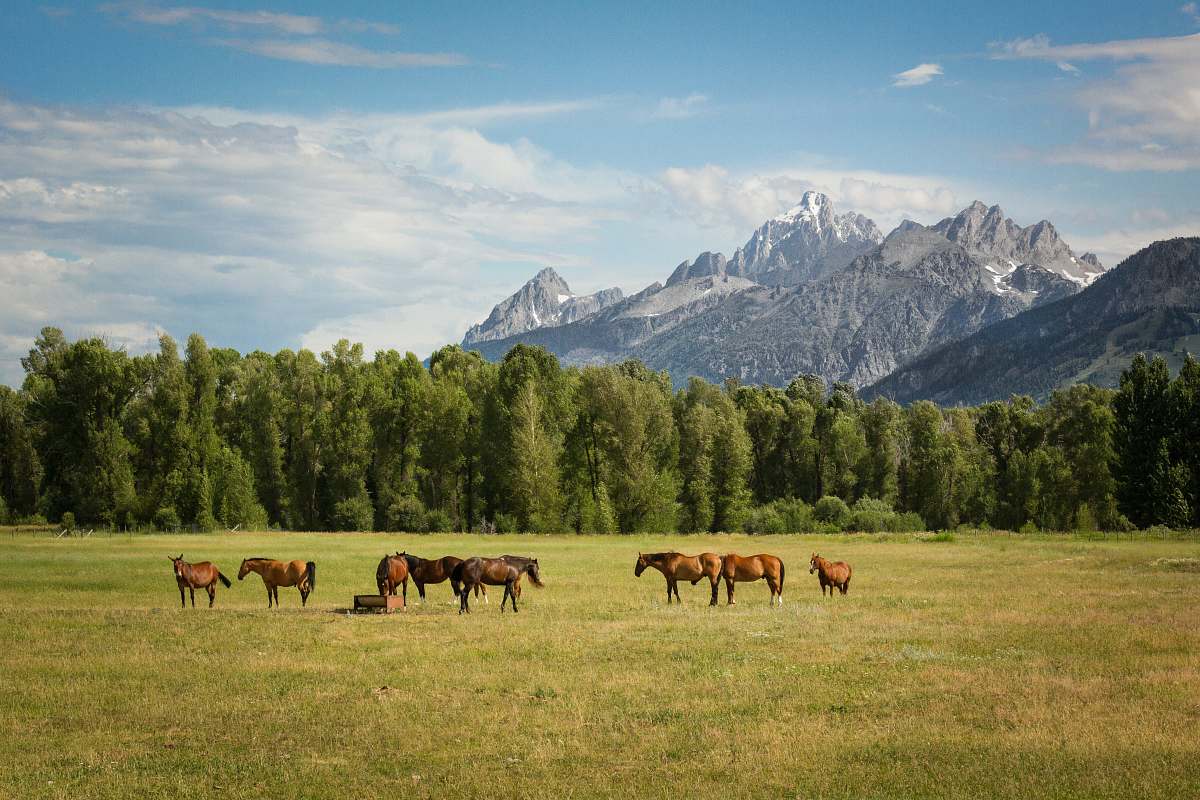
x=311, y=573
x=223, y=579
x=456, y=578
x=781, y=571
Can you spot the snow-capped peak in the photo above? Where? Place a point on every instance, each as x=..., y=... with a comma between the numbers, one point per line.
x=810, y=206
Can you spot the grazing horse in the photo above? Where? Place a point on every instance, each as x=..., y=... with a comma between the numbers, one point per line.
x=436, y=570
x=674, y=566
x=831, y=574
x=201, y=575
x=736, y=568
x=495, y=572
x=301, y=574
x=392, y=572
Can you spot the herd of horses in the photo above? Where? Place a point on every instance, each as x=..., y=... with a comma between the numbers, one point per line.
x=474, y=575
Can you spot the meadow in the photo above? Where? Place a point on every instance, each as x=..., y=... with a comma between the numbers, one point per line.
x=988, y=665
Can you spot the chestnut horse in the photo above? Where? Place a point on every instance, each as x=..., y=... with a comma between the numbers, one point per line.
x=830, y=573
x=436, y=570
x=736, y=568
x=674, y=566
x=392, y=572
x=201, y=575
x=504, y=572
x=301, y=574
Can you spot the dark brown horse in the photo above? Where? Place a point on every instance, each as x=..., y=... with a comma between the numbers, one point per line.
x=736, y=568
x=495, y=572
x=675, y=566
x=830, y=573
x=392, y=572
x=201, y=575
x=301, y=574
x=436, y=570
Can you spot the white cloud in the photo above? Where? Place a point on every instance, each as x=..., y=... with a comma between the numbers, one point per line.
x=917, y=76
x=277, y=230
x=680, y=107
x=280, y=23
x=1192, y=10
x=736, y=204
x=1067, y=67
x=328, y=53
x=1145, y=115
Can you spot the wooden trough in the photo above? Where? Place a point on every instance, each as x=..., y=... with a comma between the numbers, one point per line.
x=380, y=604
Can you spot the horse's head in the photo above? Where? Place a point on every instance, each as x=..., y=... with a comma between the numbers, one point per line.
x=535, y=575
x=245, y=570
x=640, y=566
x=812, y=563
x=177, y=564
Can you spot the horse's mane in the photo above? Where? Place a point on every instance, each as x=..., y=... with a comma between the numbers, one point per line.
x=413, y=560
x=258, y=558
x=531, y=570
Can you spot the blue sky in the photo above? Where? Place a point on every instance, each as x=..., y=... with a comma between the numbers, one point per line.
x=284, y=174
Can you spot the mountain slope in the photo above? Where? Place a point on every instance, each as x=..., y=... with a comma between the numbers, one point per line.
x=1149, y=303
x=804, y=243
x=544, y=301
x=916, y=290
x=997, y=241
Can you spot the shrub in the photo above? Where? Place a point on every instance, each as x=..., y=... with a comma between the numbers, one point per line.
x=506, y=523
x=870, y=515
x=797, y=515
x=406, y=513
x=68, y=520
x=831, y=509
x=1084, y=519
x=354, y=514
x=166, y=518
x=438, y=521
x=1028, y=527
x=942, y=536
x=908, y=522
x=3, y=511
x=764, y=519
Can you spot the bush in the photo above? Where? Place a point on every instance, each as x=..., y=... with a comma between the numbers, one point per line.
x=505, y=523
x=908, y=522
x=831, y=509
x=407, y=513
x=797, y=515
x=67, y=520
x=354, y=514
x=1084, y=519
x=870, y=516
x=764, y=519
x=1028, y=527
x=943, y=536
x=438, y=522
x=166, y=518
x=3, y=511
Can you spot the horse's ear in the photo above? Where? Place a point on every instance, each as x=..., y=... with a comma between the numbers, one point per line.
x=171, y=559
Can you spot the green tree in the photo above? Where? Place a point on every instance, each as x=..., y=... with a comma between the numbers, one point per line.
x=1142, y=431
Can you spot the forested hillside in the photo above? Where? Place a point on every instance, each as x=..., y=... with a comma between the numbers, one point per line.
x=341, y=442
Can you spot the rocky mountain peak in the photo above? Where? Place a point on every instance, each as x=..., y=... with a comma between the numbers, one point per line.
x=544, y=301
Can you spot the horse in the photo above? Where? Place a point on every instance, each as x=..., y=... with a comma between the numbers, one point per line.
x=674, y=566
x=436, y=570
x=495, y=572
x=736, y=568
x=201, y=575
x=830, y=573
x=392, y=572
x=301, y=574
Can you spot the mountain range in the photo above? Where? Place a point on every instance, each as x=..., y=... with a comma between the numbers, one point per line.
x=817, y=291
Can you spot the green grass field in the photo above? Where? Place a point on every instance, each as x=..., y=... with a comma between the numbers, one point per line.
x=987, y=666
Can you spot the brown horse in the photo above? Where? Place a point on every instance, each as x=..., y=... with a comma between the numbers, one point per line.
x=504, y=572
x=392, y=572
x=736, y=568
x=301, y=574
x=830, y=573
x=201, y=575
x=674, y=566
x=436, y=570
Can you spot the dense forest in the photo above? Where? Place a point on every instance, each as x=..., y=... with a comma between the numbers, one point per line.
x=340, y=442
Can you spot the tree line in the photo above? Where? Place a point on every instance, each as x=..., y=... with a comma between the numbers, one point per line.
x=338, y=441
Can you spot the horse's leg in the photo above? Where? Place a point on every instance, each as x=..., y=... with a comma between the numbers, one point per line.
x=668, y=580
x=507, y=592
x=463, y=604
x=729, y=589
x=421, y=590
x=716, y=582
x=512, y=593
x=675, y=586
x=404, y=595
x=182, y=598
x=212, y=593
x=192, y=590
